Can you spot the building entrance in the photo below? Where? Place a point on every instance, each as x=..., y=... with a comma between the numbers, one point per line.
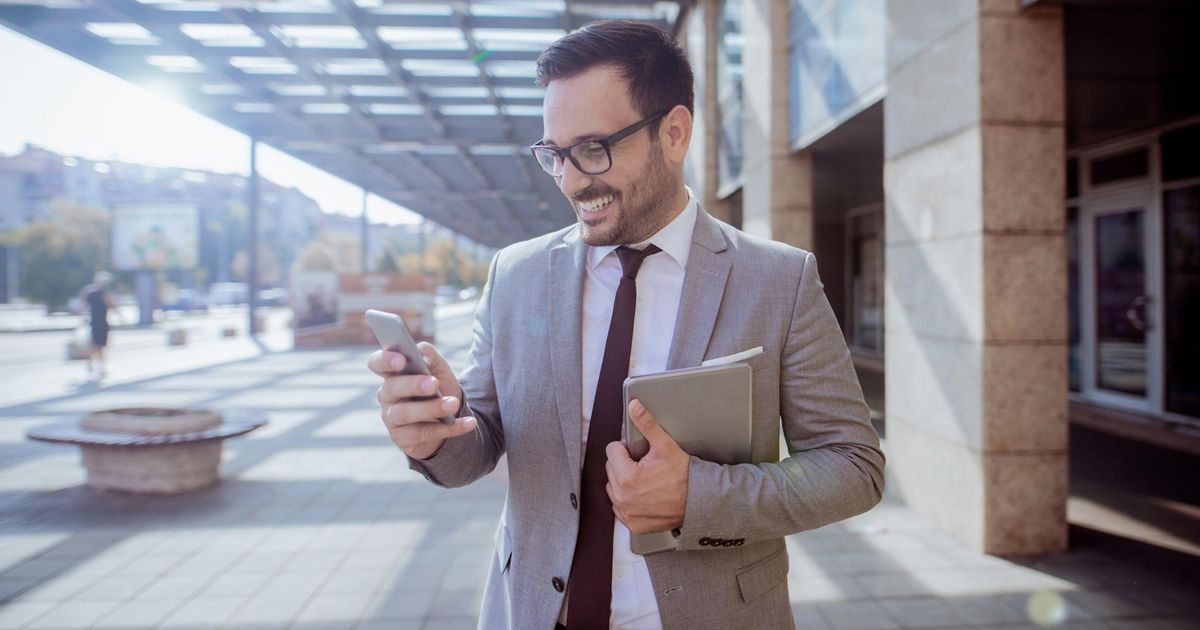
x=1120, y=307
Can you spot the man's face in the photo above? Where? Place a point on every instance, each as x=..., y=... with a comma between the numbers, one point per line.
x=633, y=199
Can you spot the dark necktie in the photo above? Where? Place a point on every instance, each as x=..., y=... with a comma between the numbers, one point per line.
x=590, y=597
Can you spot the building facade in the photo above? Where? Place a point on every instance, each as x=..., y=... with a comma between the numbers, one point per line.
x=1004, y=199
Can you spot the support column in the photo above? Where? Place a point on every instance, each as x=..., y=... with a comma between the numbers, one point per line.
x=976, y=270
x=777, y=184
x=252, y=239
x=364, y=234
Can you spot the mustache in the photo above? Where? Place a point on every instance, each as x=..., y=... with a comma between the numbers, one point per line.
x=593, y=192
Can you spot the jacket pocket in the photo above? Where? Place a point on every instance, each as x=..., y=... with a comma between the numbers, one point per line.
x=763, y=575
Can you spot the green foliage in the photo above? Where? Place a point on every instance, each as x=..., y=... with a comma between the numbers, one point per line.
x=60, y=254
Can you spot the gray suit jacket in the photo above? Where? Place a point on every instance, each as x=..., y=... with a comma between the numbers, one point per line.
x=523, y=384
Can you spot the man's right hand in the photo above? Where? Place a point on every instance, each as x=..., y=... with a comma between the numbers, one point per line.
x=414, y=425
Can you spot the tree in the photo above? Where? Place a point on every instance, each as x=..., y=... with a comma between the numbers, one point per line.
x=61, y=253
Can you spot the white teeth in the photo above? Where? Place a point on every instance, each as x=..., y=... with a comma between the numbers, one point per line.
x=595, y=204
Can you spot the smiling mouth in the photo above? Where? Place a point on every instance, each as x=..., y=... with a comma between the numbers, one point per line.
x=592, y=205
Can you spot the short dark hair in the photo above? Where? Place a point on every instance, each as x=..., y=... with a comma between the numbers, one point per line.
x=646, y=57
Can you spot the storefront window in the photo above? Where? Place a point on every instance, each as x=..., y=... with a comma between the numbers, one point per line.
x=1181, y=267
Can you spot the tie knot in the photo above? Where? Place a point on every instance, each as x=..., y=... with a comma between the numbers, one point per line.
x=631, y=259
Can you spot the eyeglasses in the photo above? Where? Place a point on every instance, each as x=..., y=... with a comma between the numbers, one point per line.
x=591, y=157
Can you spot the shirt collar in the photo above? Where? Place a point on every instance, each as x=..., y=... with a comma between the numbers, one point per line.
x=675, y=238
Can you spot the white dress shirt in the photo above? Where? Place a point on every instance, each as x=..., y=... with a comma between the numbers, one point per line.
x=659, y=284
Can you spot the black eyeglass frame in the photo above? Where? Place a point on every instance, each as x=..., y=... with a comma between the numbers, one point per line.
x=606, y=142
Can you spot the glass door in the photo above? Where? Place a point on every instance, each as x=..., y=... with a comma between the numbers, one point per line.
x=1121, y=305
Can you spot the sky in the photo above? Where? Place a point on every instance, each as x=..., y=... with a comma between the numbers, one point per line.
x=52, y=100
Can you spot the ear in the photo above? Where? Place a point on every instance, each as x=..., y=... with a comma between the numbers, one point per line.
x=675, y=133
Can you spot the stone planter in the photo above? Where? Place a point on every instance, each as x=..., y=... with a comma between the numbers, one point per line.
x=177, y=337
x=151, y=450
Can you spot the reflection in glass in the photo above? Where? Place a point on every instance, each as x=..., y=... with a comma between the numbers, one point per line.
x=730, y=43
x=1181, y=254
x=866, y=281
x=1073, y=347
x=1121, y=311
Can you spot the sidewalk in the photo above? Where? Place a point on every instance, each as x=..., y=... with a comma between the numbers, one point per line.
x=319, y=524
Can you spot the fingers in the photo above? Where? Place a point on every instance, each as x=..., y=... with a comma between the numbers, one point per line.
x=386, y=362
x=646, y=423
x=422, y=439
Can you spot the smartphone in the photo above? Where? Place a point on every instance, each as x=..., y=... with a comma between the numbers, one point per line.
x=393, y=335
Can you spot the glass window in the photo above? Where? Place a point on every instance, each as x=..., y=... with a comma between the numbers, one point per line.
x=729, y=93
x=1121, y=303
x=866, y=281
x=1181, y=267
x=1073, y=347
x=1131, y=165
x=1072, y=178
x=1181, y=153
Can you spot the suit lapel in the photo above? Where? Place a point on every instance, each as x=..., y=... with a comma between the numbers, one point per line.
x=703, y=289
x=566, y=356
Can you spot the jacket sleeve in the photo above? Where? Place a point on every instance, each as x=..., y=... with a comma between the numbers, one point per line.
x=834, y=466
x=465, y=458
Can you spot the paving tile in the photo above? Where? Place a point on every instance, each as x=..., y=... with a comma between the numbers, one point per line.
x=1102, y=605
x=922, y=612
x=139, y=613
x=10, y=588
x=19, y=613
x=210, y=611
x=235, y=585
x=174, y=588
x=989, y=610
x=73, y=615
x=270, y=611
x=860, y=615
x=1160, y=623
x=449, y=623
x=59, y=589
x=354, y=581
x=400, y=604
x=118, y=588
x=343, y=609
x=807, y=616
x=293, y=586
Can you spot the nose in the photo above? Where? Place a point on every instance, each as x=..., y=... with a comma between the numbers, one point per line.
x=572, y=180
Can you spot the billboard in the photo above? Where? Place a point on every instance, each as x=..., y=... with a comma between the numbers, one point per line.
x=155, y=236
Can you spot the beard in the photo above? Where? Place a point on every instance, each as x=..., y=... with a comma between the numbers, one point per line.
x=643, y=209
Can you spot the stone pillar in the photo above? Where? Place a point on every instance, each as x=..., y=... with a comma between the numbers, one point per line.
x=777, y=184
x=976, y=270
x=701, y=44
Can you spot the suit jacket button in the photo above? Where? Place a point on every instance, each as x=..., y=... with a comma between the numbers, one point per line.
x=558, y=584
x=574, y=502
x=704, y=542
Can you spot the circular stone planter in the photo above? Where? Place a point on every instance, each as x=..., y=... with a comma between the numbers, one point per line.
x=151, y=450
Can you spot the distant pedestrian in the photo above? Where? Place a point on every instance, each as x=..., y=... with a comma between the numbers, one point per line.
x=99, y=300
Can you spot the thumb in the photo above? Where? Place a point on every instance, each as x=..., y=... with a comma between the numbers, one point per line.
x=440, y=368
x=650, y=428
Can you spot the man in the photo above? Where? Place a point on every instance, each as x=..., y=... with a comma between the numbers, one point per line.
x=617, y=124
x=98, y=301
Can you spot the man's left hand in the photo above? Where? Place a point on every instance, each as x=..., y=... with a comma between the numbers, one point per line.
x=648, y=495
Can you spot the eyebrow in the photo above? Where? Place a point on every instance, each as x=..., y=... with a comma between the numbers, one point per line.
x=577, y=139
